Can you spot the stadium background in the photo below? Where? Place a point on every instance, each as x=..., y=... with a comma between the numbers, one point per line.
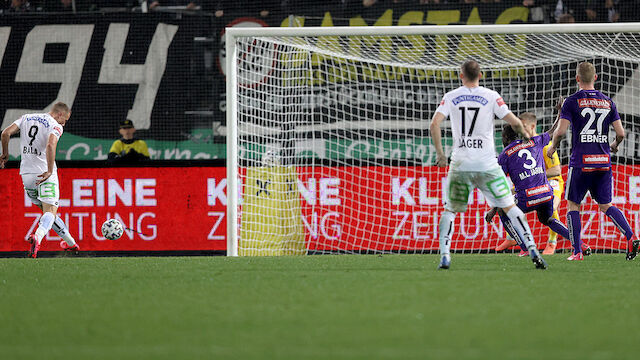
x=180, y=111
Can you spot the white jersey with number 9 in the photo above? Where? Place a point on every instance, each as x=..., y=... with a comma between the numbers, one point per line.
x=472, y=112
x=34, y=135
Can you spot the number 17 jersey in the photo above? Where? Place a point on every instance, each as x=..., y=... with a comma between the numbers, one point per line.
x=472, y=112
x=34, y=135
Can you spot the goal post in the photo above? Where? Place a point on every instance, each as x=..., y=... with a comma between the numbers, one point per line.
x=328, y=149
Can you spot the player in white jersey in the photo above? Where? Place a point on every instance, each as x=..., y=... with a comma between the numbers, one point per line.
x=472, y=109
x=39, y=134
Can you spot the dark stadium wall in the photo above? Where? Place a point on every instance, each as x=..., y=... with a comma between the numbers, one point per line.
x=180, y=111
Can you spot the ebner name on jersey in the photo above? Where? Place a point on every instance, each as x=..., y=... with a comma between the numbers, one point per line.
x=470, y=143
x=535, y=171
x=593, y=138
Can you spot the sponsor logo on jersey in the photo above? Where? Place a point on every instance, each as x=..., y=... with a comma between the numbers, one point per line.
x=442, y=102
x=594, y=103
x=500, y=101
x=474, y=98
x=538, y=190
x=42, y=121
x=519, y=147
x=539, y=201
x=58, y=131
x=596, y=159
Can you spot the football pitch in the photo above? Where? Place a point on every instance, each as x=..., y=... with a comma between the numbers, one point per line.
x=319, y=307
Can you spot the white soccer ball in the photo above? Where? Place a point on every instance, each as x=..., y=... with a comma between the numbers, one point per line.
x=271, y=158
x=112, y=229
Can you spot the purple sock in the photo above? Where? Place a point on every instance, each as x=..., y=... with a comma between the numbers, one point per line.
x=559, y=228
x=575, y=227
x=620, y=221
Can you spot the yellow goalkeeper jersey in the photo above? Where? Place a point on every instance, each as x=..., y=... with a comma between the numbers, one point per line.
x=551, y=162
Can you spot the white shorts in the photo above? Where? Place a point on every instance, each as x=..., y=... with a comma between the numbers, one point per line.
x=48, y=192
x=493, y=184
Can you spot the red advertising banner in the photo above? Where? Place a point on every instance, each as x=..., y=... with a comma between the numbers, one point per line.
x=163, y=208
x=342, y=209
x=398, y=208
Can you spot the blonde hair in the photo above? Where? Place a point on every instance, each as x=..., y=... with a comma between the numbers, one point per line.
x=587, y=72
x=529, y=117
x=60, y=107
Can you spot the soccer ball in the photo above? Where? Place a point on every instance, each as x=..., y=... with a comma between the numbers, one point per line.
x=112, y=229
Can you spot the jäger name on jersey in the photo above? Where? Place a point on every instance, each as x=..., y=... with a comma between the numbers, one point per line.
x=470, y=143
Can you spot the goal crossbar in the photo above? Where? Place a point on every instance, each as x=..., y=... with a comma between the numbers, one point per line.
x=432, y=30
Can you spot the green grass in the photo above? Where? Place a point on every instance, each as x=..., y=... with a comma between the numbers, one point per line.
x=319, y=307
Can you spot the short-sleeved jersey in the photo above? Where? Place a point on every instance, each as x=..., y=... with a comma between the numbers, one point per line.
x=591, y=113
x=524, y=163
x=550, y=162
x=34, y=135
x=472, y=112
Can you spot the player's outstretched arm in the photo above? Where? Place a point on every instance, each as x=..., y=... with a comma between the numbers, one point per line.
x=52, y=144
x=436, y=137
x=517, y=126
x=556, y=122
x=558, y=135
x=6, y=135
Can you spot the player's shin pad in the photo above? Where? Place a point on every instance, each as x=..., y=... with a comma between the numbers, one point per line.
x=575, y=227
x=446, y=231
x=519, y=222
x=271, y=222
x=619, y=220
x=511, y=230
x=559, y=228
x=61, y=229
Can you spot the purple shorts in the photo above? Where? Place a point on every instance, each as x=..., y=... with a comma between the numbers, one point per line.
x=598, y=182
x=542, y=203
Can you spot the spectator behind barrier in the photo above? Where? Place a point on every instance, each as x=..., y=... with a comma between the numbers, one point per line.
x=187, y=4
x=263, y=8
x=128, y=149
x=17, y=6
x=67, y=5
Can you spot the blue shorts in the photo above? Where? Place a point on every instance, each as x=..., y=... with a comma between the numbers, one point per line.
x=597, y=181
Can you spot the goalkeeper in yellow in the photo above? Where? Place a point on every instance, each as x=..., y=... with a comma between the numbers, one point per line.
x=554, y=175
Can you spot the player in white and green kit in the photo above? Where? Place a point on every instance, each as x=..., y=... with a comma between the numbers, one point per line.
x=39, y=134
x=472, y=110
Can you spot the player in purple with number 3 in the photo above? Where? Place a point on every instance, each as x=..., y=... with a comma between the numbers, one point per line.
x=590, y=113
x=523, y=161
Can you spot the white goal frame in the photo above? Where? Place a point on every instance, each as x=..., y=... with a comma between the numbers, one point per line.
x=232, y=34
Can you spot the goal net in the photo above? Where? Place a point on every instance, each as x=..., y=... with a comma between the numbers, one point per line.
x=329, y=148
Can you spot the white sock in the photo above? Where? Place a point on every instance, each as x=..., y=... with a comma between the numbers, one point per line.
x=44, y=225
x=520, y=224
x=446, y=232
x=61, y=229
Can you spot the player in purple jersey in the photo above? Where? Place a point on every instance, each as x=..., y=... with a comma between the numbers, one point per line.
x=523, y=161
x=590, y=113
